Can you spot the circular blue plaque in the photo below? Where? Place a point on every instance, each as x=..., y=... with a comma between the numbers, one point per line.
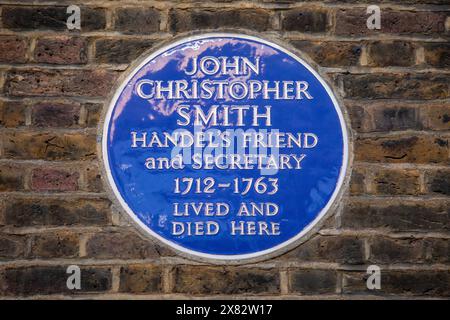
x=225, y=146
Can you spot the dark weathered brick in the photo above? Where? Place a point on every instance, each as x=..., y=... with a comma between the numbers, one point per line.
x=119, y=51
x=353, y=22
x=11, y=177
x=410, y=282
x=141, y=279
x=52, y=212
x=379, y=117
x=54, y=245
x=356, y=283
x=402, y=149
x=49, y=179
x=12, y=114
x=438, y=250
x=61, y=50
x=313, y=281
x=393, y=53
x=392, y=182
x=13, y=49
x=49, y=146
x=122, y=245
x=137, y=20
x=50, y=18
x=427, y=283
x=27, y=281
x=389, y=251
x=358, y=181
x=338, y=249
x=437, y=54
x=225, y=280
x=90, y=83
x=396, y=86
x=438, y=182
x=408, y=216
x=304, y=20
x=50, y=114
x=93, y=19
x=193, y=19
x=11, y=246
x=331, y=54
x=395, y=118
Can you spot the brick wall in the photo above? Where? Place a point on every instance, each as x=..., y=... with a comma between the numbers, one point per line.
x=54, y=210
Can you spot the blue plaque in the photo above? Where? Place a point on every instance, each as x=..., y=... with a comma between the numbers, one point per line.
x=225, y=146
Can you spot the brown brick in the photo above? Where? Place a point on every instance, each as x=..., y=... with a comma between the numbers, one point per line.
x=379, y=117
x=137, y=20
x=389, y=251
x=437, y=54
x=119, y=51
x=225, y=280
x=141, y=279
x=94, y=111
x=304, y=20
x=61, y=50
x=49, y=146
x=122, y=245
x=41, y=280
x=396, y=86
x=394, y=53
x=53, y=212
x=48, y=179
x=353, y=22
x=90, y=83
x=438, y=182
x=11, y=177
x=403, y=149
x=94, y=179
x=54, y=245
x=331, y=54
x=11, y=246
x=411, y=282
x=400, y=216
x=193, y=19
x=13, y=49
x=50, y=114
x=12, y=114
x=359, y=117
x=50, y=18
x=342, y=249
x=436, y=117
x=358, y=181
x=393, y=182
x=313, y=281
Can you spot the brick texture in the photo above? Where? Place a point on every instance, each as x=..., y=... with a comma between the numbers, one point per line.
x=55, y=210
x=211, y=280
x=61, y=50
x=29, y=212
x=37, y=82
x=13, y=49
